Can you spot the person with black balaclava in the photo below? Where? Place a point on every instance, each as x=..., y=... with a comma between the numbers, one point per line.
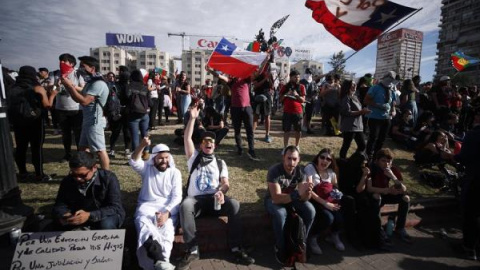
x=32, y=130
x=120, y=125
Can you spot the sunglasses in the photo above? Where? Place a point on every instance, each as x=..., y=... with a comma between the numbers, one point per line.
x=326, y=158
x=80, y=176
x=208, y=140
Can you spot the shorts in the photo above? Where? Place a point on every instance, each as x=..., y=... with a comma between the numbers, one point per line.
x=263, y=108
x=291, y=119
x=93, y=137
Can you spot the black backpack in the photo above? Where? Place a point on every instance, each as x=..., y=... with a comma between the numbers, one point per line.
x=295, y=238
x=23, y=106
x=113, y=108
x=139, y=100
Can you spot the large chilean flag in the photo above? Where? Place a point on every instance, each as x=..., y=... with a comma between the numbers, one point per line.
x=357, y=23
x=230, y=59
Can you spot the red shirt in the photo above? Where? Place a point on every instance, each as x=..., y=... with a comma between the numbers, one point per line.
x=240, y=92
x=380, y=180
x=291, y=105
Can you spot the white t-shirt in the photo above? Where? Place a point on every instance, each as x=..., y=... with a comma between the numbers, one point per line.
x=154, y=92
x=64, y=101
x=311, y=171
x=205, y=180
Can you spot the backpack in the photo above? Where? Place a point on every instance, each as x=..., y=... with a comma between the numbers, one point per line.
x=23, y=107
x=113, y=108
x=139, y=101
x=295, y=238
x=195, y=165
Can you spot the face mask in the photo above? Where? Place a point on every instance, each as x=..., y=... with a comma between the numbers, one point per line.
x=65, y=69
x=308, y=77
x=409, y=117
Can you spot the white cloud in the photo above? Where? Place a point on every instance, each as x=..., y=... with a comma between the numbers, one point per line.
x=36, y=32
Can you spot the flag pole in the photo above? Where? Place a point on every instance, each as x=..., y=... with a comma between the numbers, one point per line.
x=388, y=30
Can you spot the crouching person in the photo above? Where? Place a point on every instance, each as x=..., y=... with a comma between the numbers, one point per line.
x=158, y=204
x=88, y=197
x=386, y=187
x=207, y=185
x=287, y=187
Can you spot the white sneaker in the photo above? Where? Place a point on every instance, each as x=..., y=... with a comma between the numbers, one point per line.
x=314, y=247
x=334, y=238
x=161, y=265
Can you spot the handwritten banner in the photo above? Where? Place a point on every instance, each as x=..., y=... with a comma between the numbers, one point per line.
x=86, y=250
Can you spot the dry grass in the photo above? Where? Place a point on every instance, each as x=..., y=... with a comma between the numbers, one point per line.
x=247, y=178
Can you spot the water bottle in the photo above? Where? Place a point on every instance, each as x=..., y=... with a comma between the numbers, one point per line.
x=389, y=226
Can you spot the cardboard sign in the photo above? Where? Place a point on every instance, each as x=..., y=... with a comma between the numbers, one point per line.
x=86, y=250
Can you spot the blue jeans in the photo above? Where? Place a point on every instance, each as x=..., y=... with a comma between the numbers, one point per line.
x=138, y=123
x=279, y=215
x=186, y=100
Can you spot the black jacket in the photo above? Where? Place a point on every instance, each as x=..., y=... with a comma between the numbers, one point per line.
x=102, y=199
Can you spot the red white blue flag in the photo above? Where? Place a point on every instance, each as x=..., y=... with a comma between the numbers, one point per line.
x=356, y=23
x=232, y=60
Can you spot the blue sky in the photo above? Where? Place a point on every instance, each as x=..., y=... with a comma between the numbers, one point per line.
x=36, y=32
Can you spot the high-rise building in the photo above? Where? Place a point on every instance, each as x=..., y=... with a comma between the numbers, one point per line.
x=302, y=65
x=400, y=51
x=111, y=57
x=459, y=31
x=193, y=63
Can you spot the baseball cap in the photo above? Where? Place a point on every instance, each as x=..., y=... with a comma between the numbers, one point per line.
x=294, y=73
x=444, y=78
x=208, y=134
x=160, y=148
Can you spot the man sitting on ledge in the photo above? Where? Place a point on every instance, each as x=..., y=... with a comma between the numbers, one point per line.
x=206, y=188
x=88, y=197
x=158, y=202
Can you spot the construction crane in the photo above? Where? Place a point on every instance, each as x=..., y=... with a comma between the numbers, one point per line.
x=183, y=35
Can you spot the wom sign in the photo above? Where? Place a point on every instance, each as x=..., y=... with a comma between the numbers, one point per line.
x=135, y=40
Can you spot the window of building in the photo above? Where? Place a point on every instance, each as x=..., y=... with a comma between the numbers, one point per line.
x=161, y=57
x=116, y=62
x=142, y=63
x=116, y=55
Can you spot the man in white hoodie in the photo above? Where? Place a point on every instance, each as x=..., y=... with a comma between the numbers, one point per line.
x=158, y=203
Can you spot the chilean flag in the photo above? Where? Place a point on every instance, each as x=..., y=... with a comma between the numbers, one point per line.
x=357, y=23
x=230, y=59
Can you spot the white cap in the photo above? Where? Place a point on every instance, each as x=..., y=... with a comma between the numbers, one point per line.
x=444, y=78
x=160, y=148
x=390, y=74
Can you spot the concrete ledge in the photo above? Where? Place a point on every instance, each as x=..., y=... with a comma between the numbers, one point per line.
x=257, y=227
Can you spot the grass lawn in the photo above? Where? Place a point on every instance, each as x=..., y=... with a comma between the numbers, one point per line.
x=247, y=178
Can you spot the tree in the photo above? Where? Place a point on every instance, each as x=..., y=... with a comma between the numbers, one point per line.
x=338, y=63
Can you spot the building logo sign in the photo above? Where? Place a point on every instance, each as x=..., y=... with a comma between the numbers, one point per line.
x=130, y=40
x=203, y=43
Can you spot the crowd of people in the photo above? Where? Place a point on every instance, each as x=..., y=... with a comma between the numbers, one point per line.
x=330, y=194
